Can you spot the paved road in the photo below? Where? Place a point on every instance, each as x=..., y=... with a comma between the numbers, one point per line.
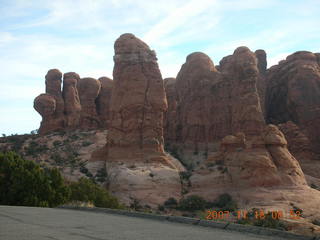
x=19, y=223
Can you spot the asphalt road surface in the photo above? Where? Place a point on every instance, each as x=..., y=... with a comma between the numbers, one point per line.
x=29, y=223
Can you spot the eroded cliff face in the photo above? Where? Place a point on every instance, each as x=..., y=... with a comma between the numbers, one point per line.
x=78, y=106
x=254, y=155
x=136, y=159
x=293, y=88
x=209, y=104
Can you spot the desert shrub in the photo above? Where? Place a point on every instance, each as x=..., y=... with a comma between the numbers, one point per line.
x=57, y=143
x=171, y=203
x=192, y=203
x=101, y=175
x=185, y=175
x=86, y=143
x=85, y=190
x=160, y=207
x=74, y=137
x=316, y=222
x=135, y=205
x=16, y=141
x=267, y=221
x=34, y=148
x=24, y=183
x=58, y=159
x=225, y=203
x=84, y=170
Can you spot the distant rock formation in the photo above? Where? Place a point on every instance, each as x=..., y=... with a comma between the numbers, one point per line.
x=82, y=103
x=135, y=153
x=293, y=94
x=51, y=104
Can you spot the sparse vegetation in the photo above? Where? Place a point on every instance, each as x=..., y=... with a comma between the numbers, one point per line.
x=224, y=202
x=185, y=175
x=135, y=205
x=171, y=203
x=86, y=143
x=267, y=220
x=314, y=186
x=316, y=222
x=34, y=149
x=101, y=175
x=192, y=203
x=57, y=143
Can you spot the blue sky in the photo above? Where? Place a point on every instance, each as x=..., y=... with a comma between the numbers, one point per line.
x=78, y=36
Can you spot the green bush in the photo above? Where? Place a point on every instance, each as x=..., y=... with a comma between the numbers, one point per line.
x=185, y=175
x=171, y=203
x=192, y=203
x=86, y=190
x=86, y=143
x=224, y=202
x=24, y=183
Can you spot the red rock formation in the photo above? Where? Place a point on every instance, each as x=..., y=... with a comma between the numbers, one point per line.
x=293, y=94
x=213, y=104
x=138, y=99
x=245, y=104
x=70, y=94
x=89, y=89
x=135, y=137
x=103, y=101
x=51, y=105
x=83, y=103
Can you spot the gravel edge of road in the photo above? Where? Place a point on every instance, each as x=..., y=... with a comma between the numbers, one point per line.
x=198, y=222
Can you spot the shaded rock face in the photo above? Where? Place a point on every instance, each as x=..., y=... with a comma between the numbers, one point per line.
x=293, y=94
x=301, y=148
x=209, y=104
x=261, y=83
x=103, y=100
x=77, y=106
x=70, y=94
x=170, y=116
x=135, y=137
x=89, y=89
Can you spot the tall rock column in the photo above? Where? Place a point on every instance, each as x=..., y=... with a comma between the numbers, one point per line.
x=72, y=106
x=136, y=163
x=89, y=89
x=103, y=101
x=51, y=105
x=138, y=100
x=246, y=110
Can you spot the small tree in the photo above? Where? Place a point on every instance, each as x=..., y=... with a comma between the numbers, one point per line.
x=86, y=190
x=24, y=183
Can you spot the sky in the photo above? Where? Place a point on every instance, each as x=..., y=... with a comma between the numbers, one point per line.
x=78, y=36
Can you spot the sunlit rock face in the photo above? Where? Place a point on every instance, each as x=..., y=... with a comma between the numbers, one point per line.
x=135, y=155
